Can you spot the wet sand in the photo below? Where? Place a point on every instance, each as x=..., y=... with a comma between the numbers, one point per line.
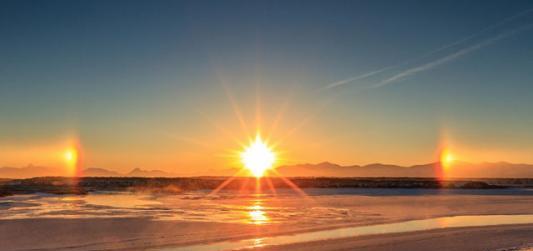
x=274, y=216
x=507, y=237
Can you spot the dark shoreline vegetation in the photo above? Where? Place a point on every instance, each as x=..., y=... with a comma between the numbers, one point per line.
x=66, y=185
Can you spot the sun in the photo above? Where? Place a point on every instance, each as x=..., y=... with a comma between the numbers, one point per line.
x=258, y=157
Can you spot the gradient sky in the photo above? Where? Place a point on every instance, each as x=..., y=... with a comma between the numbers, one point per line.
x=161, y=84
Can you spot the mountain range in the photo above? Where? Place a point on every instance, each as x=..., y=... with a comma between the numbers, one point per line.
x=38, y=171
x=456, y=170
x=324, y=169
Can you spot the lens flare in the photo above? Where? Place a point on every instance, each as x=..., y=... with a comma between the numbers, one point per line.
x=258, y=157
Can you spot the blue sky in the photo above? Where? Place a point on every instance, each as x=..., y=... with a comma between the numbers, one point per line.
x=153, y=79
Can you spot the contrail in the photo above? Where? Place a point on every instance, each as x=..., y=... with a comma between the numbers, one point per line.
x=446, y=59
x=450, y=57
x=359, y=77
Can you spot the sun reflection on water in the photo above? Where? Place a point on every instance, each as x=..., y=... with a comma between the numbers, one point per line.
x=258, y=242
x=257, y=215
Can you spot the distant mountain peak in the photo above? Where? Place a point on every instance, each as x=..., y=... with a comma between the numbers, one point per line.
x=326, y=163
x=138, y=172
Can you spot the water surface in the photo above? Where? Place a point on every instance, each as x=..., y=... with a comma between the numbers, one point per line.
x=226, y=206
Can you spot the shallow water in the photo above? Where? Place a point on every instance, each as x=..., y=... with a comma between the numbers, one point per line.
x=225, y=207
x=257, y=209
x=400, y=227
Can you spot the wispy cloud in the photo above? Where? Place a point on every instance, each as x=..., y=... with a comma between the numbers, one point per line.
x=442, y=60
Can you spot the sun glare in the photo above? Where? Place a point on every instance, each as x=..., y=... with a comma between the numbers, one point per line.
x=69, y=155
x=447, y=159
x=71, y=160
x=258, y=157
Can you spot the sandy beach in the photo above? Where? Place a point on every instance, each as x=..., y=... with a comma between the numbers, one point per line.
x=143, y=228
